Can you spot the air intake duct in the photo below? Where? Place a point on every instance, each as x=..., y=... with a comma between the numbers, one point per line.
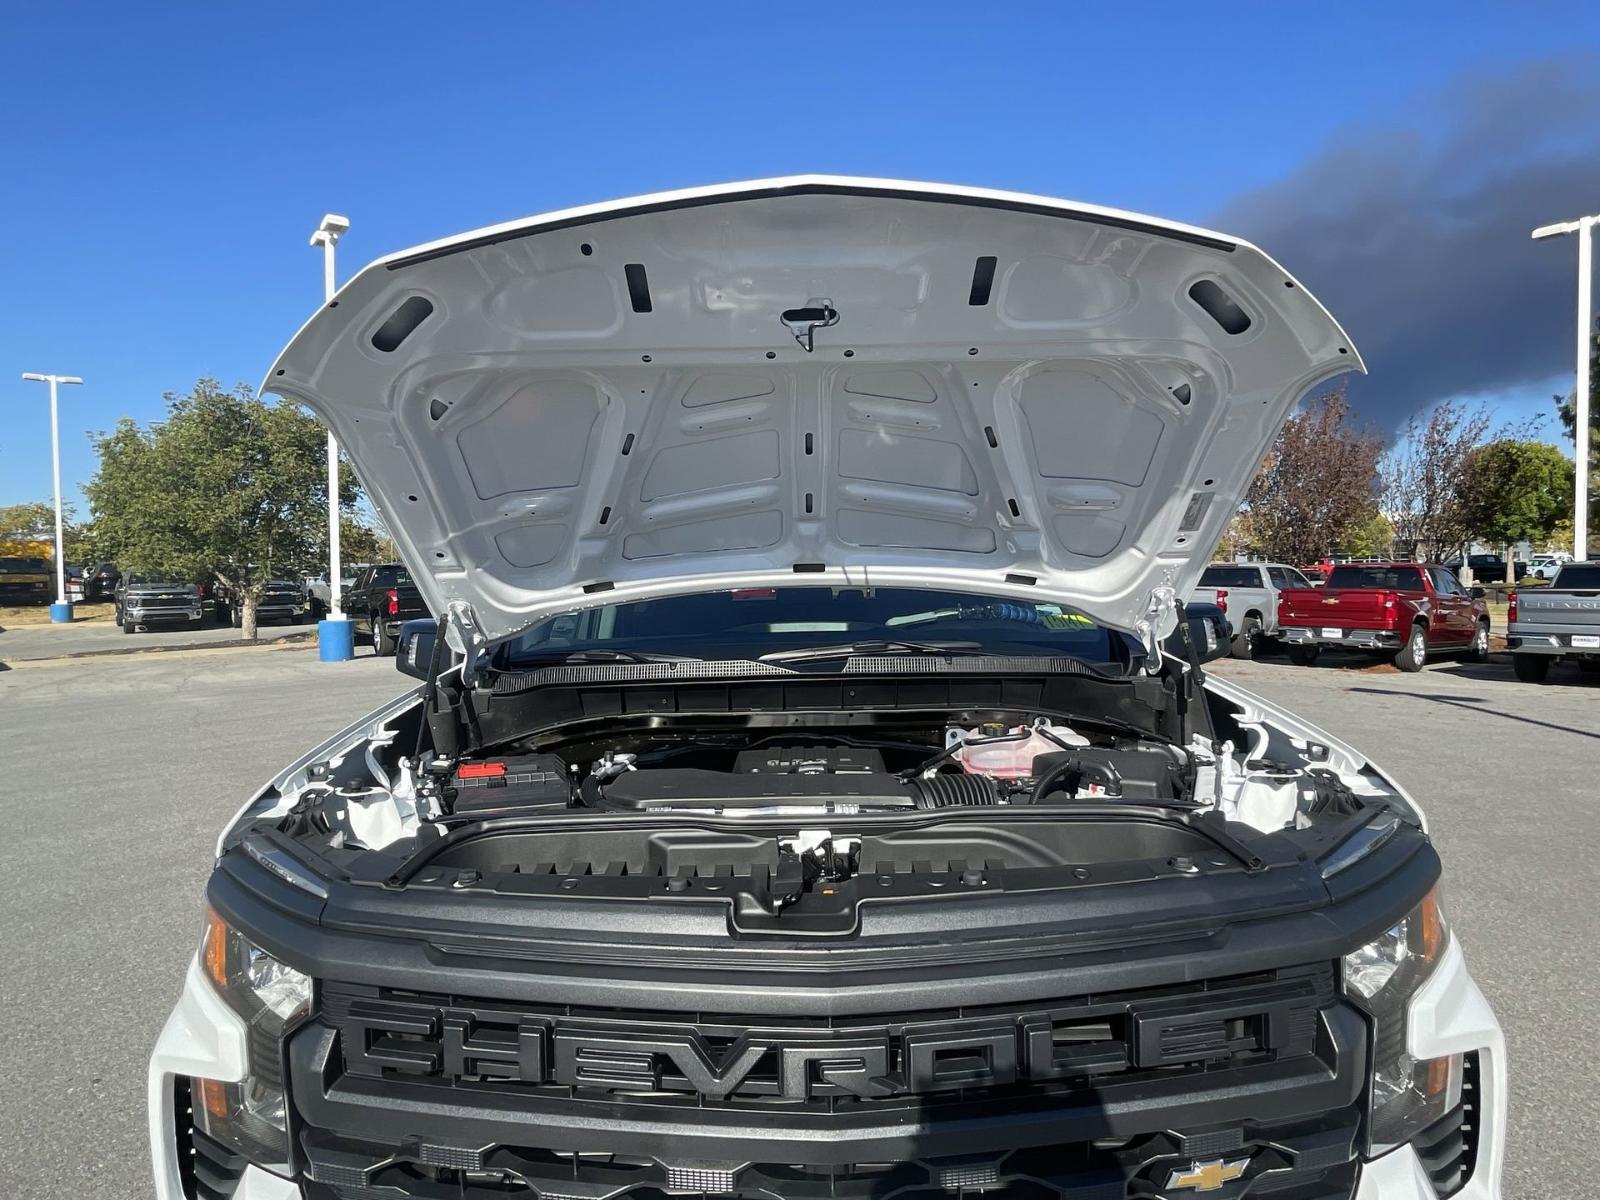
x=955, y=791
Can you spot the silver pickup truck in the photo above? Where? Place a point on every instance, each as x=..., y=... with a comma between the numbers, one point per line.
x=1561, y=621
x=1248, y=593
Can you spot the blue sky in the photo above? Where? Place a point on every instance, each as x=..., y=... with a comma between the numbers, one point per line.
x=162, y=165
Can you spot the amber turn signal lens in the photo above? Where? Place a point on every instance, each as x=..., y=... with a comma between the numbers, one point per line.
x=214, y=1095
x=214, y=949
x=1433, y=927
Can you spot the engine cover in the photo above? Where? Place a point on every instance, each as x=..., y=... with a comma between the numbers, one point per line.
x=690, y=787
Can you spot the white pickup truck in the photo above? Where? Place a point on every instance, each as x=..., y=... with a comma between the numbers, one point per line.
x=1562, y=621
x=1248, y=593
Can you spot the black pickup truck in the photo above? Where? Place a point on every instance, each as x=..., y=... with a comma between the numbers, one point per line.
x=380, y=601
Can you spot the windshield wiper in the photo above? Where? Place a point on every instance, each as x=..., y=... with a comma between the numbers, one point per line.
x=598, y=655
x=884, y=646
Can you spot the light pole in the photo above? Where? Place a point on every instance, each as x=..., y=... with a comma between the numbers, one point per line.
x=60, y=611
x=1584, y=228
x=334, y=635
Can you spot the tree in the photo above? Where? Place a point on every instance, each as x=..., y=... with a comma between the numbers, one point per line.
x=1421, y=477
x=360, y=542
x=30, y=528
x=226, y=485
x=1516, y=490
x=1370, y=537
x=1316, y=483
x=26, y=528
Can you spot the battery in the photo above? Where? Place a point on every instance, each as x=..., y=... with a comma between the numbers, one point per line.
x=509, y=786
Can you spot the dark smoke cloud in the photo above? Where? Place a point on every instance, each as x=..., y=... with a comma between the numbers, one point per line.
x=1417, y=238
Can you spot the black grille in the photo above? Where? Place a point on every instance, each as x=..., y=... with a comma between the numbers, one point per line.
x=830, y=1065
x=1306, y=1160
x=1449, y=1147
x=207, y=1169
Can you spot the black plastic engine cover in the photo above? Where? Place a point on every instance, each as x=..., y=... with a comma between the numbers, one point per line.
x=809, y=760
x=689, y=787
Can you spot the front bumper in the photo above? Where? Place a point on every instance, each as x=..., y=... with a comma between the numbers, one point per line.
x=1355, y=639
x=163, y=612
x=204, y=1038
x=24, y=593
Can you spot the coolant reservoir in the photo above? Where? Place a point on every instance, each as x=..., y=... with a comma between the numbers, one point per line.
x=1013, y=757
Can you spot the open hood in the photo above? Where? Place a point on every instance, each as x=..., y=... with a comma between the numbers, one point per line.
x=864, y=382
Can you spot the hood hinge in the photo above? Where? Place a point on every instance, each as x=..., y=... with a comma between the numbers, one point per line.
x=468, y=638
x=1153, y=626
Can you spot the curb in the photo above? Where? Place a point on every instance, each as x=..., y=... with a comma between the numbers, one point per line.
x=288, y=641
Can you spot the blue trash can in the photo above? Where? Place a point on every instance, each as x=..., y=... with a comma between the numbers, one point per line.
x=61, y=613
x=336, y=640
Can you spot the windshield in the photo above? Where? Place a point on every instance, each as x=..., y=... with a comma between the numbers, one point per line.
x=1579, y=577
x=747, y=623
x=1400, y=579
x=1225, y=577
x=391, y=577
x=143, y=580
x=24, y=564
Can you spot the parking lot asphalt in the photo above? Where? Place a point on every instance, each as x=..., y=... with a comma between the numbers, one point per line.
x=31, y=643
x=116, y=775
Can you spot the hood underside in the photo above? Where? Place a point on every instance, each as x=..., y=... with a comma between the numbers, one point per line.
x=863, y=382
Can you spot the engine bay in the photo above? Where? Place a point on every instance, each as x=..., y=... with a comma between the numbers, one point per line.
x=800, y=772
x=800, y=817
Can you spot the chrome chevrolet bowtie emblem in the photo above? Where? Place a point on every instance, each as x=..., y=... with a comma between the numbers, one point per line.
x=1207, y=1176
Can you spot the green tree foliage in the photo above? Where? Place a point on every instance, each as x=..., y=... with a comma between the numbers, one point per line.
x=1370, y=537
x=1317, y=482
x=24, y=526
x=364, y=542
x=226, y=485
x=1515, y=491
x=35, y=519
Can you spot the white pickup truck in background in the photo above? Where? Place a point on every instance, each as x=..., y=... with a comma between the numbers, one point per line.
x=1562, y=621
x=1248, y=593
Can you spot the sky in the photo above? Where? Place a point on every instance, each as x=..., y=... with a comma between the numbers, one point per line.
x=161, y=166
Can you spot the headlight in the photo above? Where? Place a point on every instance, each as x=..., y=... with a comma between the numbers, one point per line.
x=1407, y=1094
x=251, y=1116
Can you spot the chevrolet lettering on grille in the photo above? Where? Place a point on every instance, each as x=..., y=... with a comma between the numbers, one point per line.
x=380, y=1038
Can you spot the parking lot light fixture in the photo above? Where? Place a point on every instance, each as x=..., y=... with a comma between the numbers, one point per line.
x=334, y=634
x=1584, y=228
x=61, y=610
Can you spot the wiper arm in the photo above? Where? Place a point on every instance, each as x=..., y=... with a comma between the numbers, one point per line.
x=853, y=649
x=600, y=655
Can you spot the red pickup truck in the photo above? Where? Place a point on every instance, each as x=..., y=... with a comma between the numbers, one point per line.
x=1409, y=610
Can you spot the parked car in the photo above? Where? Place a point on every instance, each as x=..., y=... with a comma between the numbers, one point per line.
x=281, y=600
x=100, y=581
x=1556, y=623
x=1408, y=610
x=381, y=599
x=1545, y=566
x=1248, y=593
x=1488, y=568
x=73, y=578
x=26, y=580
x=803, y=805
x=144, y=599
x=318, y=596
